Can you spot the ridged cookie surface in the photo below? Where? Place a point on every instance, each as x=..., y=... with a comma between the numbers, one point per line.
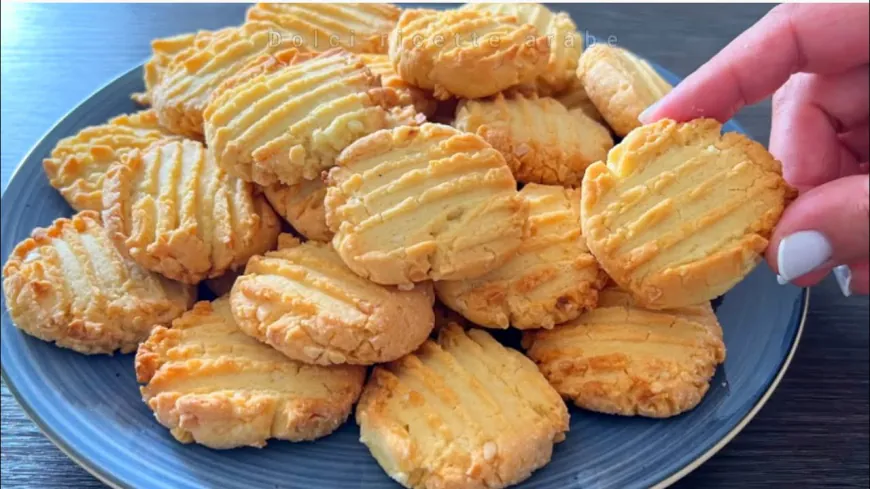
x=622, y=359
x=301, y=205
x=288, y=122
x=551, y=279
x=620, y=84
x=211, y=384
x=163, y=52
x=78, y=164
x=184, y=85
x=68, y=284
x=541, y=140
x=304, y=302
x=679, y=213
x=564, y=41
x=175, y=212
x=419, y=203
x=461, y=413
x=466, y=53
x=380, y=65
x=356, y=27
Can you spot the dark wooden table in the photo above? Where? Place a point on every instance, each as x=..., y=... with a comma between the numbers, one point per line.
x=812, y=433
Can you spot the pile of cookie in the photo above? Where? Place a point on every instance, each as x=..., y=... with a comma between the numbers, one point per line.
x=302, y=182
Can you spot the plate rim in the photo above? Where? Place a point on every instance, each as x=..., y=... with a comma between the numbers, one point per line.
x=110, y=480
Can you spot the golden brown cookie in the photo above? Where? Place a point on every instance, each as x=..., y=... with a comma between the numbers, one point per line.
x=356, y=27
x=211, y=384
x=466, y=53
x=304, y=302
x=564, y=41
x=575, y=97
x=288, y=122
x=551, y=279
x=163, y=51
x=541, y=140
x=68, y=284
x=78, y=164
x=464, y=412
x=620, y=84
x=182, y=89
x=419, y=203
x=380, y=65
x=680, y=213
x=176, y=213
x=623, y=359
x=301, y=205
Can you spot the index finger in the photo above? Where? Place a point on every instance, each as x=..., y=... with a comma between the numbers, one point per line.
x=791, y=38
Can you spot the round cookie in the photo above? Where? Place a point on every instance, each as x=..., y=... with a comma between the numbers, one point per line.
x=419, y=203
x=304, y=302
x=465, y=53
x=623, y=359
x=620, y=84
x=551, y=279
x=78, y=164
x=464, y=412
x=356, y=27
x=211, y=384
x=286, y=118
x=175, y=212
x=301, y=205
x=183, y=83
x=68, y=284
x=679, y=213
x=564, y=41
x=541, y=140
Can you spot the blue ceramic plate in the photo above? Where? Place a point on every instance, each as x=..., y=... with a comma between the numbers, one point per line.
x=90, y=406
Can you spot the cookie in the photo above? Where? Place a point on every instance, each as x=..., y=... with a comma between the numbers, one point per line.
x=466, y=53
x=381, y=66
x=575, y=97
x=620, y=84
x=304, y=302
x=287, y=122
x=301, y=205
x=418, y=203
x=551, y=279
x=564, y=41
x=623, y=359
x=163, y=51
x=176, y=213
x=184, y=85
x=679, y=213
x=68, y=284
x=211, y=384
x=464, y=412
x=356, y=27
x=78, y=164
x=541, y=140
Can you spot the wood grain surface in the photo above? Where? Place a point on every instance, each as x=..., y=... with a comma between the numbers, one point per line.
x=812, y=433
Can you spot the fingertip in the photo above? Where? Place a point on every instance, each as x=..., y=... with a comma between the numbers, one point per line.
x=649, y=115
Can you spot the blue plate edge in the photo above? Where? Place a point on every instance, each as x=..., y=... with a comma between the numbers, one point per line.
x=112, y=481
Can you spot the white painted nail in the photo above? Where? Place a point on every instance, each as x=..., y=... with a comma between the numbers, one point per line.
x=801, y=253
x=780, y=280
x=645, y=115
x=843, y=274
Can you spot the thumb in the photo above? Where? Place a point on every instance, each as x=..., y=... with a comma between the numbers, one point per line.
x=827, y=226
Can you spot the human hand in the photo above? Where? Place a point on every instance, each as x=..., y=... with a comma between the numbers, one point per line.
x=815, y=59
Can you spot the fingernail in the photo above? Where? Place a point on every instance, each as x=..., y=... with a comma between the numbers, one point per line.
x=801, y=253
x=780, y=280
x=644, y=116
x=843, y=274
